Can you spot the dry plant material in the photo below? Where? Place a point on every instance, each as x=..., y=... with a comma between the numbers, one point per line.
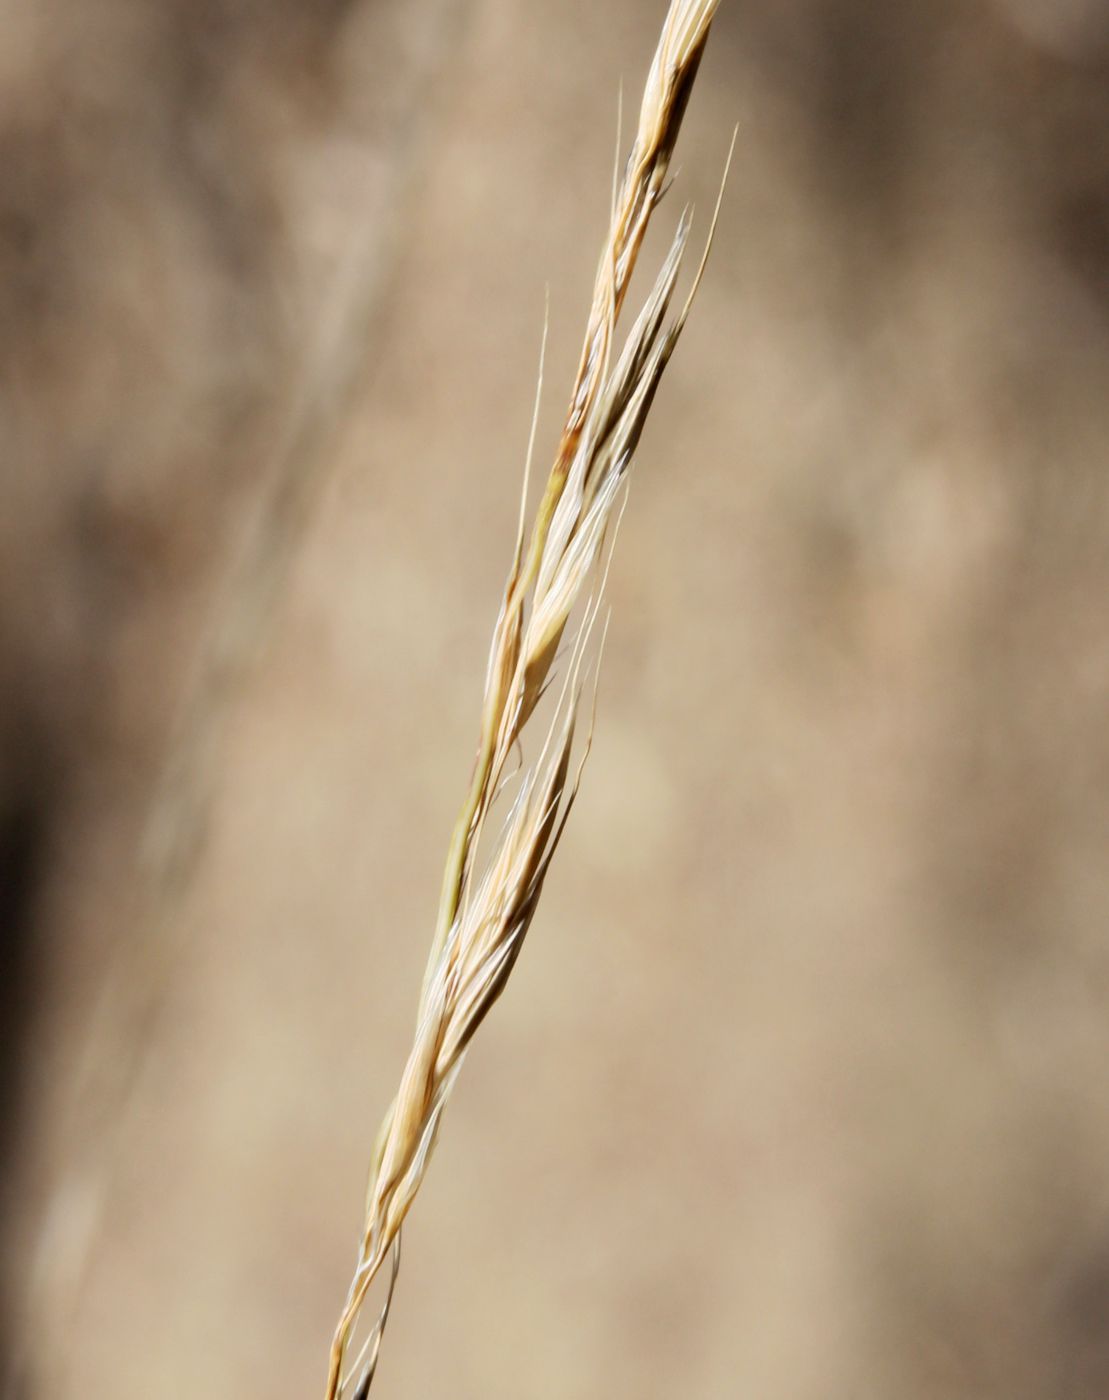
x=550, y=604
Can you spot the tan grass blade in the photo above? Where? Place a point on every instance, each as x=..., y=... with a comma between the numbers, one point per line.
x=551, y=602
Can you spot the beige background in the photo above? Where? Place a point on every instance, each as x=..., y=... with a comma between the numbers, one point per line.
x=800, y=1088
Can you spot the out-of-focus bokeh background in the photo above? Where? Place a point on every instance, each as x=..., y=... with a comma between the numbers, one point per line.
x=801, y=1088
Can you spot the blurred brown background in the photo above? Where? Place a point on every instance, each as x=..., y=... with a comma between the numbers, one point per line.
x=800, y=1089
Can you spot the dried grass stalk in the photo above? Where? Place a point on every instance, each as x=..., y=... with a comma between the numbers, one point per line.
x=485, y=910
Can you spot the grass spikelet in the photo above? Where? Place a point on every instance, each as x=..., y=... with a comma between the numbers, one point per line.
x=550, y=605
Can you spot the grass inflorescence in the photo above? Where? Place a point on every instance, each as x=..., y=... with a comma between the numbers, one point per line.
x=551, y=602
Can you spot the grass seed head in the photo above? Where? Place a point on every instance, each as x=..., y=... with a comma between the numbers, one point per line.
x=550, y=605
